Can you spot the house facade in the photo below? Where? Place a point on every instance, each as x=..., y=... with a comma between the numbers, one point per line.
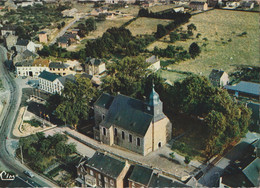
x=102, y=171
x=198, y=5
x=61, y=68
x=50, y=83
x=8, y=29
x=43, y=37
x=218, y=78
x=32, y=68
x=94, y=66
x=130, y=123
x=23, y=45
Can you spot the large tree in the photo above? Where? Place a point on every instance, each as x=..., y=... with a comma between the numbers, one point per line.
x=194, y=50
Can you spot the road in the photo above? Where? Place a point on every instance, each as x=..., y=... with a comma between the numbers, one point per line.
x=210, y=178
x=7, y=120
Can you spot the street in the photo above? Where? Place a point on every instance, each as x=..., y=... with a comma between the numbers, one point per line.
x=7, y=120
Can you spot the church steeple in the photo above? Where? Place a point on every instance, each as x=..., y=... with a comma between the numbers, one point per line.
x=154, y=106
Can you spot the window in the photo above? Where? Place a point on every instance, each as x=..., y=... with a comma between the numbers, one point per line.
x=99, y=176
x=138, y=141
x=103, y=116
x=111, y=182
x=91, y=173
x=123, y=135
x=130, y=138
x=115, y=131
x=104, y=131
x=106, y=180
x=100, y=183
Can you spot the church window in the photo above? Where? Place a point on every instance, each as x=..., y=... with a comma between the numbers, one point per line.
x=138, y=142
x=104, y=131
x=123, y=135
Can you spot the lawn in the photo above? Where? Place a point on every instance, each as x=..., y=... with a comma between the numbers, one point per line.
x=158, y=8
x=146, y=25
x=218, y=26
x=172, y=76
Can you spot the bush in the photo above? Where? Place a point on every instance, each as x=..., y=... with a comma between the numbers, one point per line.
x=33, y=123
x=187, y=159
x=172, y=155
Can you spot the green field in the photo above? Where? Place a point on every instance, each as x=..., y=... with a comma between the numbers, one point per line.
x=146, y=25
x=218, y=26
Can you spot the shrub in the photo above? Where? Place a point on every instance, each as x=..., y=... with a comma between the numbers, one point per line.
x=187, y=159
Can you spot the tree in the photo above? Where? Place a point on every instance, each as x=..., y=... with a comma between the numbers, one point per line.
x=91, y=24
x=174, y=36
x=161, y=31
x=194, y=50
x=191, y=27
x=62, y=24
x=187, y=159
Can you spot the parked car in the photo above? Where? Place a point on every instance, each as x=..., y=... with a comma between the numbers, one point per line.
x=28, y=173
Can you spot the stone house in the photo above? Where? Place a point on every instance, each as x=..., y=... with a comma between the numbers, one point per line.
x=10, y=40
x=43, y=37
x=135, y=125
x=198, y=5
x=24, y=56
x=102, y=170
x=67, y=39
x=218, y=78
x=23, y=45
x=146, y=177
x=94, y=66
x=32, y=68
x=247, y=5
x=154, y=63
x=61, y=68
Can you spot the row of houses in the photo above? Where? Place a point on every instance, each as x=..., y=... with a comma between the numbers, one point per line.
x=103, y=170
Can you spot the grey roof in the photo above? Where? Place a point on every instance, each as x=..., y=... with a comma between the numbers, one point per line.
x=9, y=27
x=162, y=181
x=128, y=113
x=48, y=76
x=22, y=42
x=63, y=40
x=58, y=65
x=252, y=172
x=87, y=76
x=152, y=59
x=197, y=3
x=104, y=101
x=141, y=175
x=69, y=77
x=255, y=107
x=106, y=165
x=216, y=74
x=245, y=87
x=42, y=32
x=93, y=61
x=24, y=63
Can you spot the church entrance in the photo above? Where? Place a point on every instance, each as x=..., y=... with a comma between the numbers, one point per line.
x=159, y=144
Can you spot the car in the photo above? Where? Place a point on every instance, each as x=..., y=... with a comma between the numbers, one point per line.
x=28, y=173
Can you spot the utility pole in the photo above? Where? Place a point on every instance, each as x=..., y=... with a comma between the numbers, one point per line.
x=21, y=153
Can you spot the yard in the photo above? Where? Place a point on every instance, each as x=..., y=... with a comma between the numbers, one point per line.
x=146, y=25
x=218, y=27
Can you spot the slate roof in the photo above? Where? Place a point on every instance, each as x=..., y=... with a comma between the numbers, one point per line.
x=197, y=3
x=58, y=65
x=41, y=62
x=216, y=74
x=24, y=63
x=28, y=53
x=22, y=42
x=252, y=172
x=152, y=59
x=162, y=181
x=69, y=77
x=141, y=175
x=63, y=40
x=8, y=27
x=87, y=76
x=105, y=100
x=48, y=76
x=255, y=107
x=93, y=61
x=128, y=113
x=106, y=165
x=42, y=32
x=245, y=87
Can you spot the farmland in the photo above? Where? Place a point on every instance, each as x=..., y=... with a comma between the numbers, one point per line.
x=225, y=49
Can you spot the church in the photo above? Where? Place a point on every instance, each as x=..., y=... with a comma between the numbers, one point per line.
x=139, y=126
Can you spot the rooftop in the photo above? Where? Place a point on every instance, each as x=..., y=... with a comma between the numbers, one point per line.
x=216, y=74
x=58, y=65
x=106, y=164
x=162, y=181
x=22, y=42
x=152, y=59
x=41, y=62
x=48, y=76
x=245, y=87
x=93, y=61
x=141, y=175
x=104, y=101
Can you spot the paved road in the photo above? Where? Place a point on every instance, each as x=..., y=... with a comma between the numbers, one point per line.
x=7, y=120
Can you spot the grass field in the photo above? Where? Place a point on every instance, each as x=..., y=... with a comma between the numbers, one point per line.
x=146, y=25
x=218, y=26
x=158, y=8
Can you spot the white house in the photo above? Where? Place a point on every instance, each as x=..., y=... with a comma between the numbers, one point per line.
x=32, y=68
x=23, y=45
x=154, y=63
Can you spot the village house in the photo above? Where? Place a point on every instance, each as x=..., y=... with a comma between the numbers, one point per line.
x=24, y=56
x=10, y=40
x=10, y=5
x=8, y=29
x=198, y=5
x=53, y=83
x=218, y=78
x=146, y=177
x=129, y=123
x=94, y=66
x=43, y=37
x=154, y=63
x=61, y=68
x=102, y=170
x=32, y=68
x=232, y=5
x=23, y=45
x=67, y=39
x=247, y=5
x=245, y=89
x=25, y=3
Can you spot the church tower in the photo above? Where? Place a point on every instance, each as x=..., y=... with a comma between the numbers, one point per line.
x=155, y=106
